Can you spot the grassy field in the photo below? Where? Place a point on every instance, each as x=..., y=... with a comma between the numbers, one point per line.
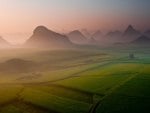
x=132, y=97
x=75, y=81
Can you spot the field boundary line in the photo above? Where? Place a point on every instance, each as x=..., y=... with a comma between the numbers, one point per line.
x=97, y=104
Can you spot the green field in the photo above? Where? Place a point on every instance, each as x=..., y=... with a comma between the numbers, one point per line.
x=75, y=81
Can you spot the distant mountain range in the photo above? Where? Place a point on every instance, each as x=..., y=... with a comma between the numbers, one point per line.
x=117, y=36
x=44, y=38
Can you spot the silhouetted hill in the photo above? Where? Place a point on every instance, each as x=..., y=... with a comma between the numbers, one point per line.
x=114, y=34
x=130, y=31
x=142, y=40
x=43, y=37
x=99, y=38
x=86, y=33
x=147, y=33
x=17, y=66
x=77, y=37
x=4, y=43
x=97, y=35
x=130, y=34
x=92, y=41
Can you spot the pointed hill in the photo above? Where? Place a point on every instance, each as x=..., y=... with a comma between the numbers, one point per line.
x=147, y=33
x=44, y=38
x=130, y=31
x=142, y=40
x=4, y=43
x=86, y=33
x=97, y=35
x=114, y=34
x=77, y=37
x=130, y=34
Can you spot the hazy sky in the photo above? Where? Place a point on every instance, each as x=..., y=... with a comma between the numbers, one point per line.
x=18, y=18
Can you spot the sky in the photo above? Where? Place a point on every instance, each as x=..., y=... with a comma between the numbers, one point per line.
x=18, y=18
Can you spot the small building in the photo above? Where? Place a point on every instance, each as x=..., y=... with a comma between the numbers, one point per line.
x=131, y=56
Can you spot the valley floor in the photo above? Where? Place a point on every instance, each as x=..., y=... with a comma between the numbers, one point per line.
x=75, y=81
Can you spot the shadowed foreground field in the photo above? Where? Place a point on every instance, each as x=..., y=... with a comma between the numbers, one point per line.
x=75, y=81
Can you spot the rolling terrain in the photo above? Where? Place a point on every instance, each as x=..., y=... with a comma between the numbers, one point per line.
x=75, y=81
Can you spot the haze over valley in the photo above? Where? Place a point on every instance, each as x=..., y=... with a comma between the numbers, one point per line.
x=43, y=37
x=74, y=56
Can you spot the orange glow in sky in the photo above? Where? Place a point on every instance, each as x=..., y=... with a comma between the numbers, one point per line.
x=18, y=18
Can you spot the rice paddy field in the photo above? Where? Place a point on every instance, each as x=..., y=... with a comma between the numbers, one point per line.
x=75, y=81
